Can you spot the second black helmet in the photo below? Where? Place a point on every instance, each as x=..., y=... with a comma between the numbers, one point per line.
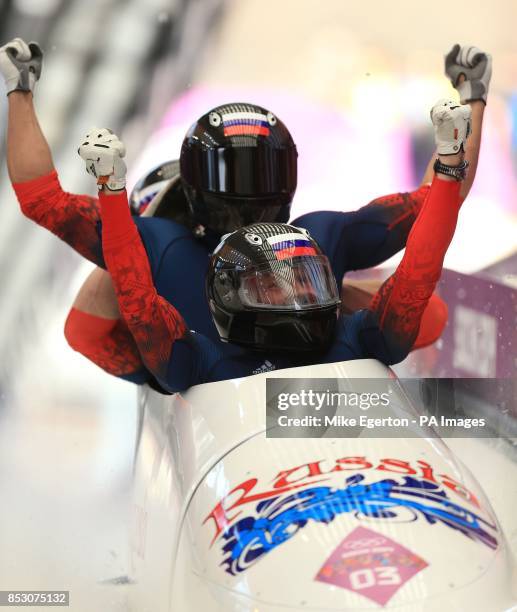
x=270, y=287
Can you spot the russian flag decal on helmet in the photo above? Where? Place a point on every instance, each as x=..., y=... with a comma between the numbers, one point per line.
x=286, y=246
x=245, y=123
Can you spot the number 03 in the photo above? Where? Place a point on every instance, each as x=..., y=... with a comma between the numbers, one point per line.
x=382, y=576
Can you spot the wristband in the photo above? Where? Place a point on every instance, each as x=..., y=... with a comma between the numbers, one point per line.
x=457, y=172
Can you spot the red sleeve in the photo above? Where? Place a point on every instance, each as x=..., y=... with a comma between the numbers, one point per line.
x=402, y=209
x=154, y=323
x=401, y=300
x=377, y=231
x=106, y=342
x=433, y=322
x=73, y=218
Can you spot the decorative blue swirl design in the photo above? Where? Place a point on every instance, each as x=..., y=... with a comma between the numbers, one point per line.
x=279, y=518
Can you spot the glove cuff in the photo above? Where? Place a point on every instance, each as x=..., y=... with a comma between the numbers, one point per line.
x=114, y=184
x=448, y=148
x=14, y=84
x=472, y=90
x=25, y=80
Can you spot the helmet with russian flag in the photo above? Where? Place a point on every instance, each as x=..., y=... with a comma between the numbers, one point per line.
x=269, y=286
x=159, y=193
x=238, y=165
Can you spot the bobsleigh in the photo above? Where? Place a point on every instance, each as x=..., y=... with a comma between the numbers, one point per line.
x=225, y=518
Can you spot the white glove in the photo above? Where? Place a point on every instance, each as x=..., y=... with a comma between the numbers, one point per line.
x=451, y=126
x=476, y=65
x=20, y=65
x=103, y=152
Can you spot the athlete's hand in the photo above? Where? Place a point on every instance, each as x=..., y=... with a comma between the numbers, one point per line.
x=475, y=65
x=20, y=65
x=103, y=152
x=451, y=123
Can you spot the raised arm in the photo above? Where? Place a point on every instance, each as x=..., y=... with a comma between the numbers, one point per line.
x=399, y=304
x=73, y=218
x=382, y=227
x=365, y=237
x=153, y=322
x=469, y=69
x=379, y=230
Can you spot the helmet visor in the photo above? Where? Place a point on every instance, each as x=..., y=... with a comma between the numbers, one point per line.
x=301, y=283
x=241, y=171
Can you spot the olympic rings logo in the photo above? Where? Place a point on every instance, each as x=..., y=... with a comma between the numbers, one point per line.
x=364, y=543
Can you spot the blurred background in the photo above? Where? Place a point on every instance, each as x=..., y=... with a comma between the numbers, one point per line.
x=354, y=82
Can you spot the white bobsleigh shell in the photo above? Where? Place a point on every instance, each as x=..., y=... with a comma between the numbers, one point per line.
x=194, y=449
x=285, y=576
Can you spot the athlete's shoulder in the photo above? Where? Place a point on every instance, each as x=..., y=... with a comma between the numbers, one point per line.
x=360, y=319
x=348, y=343
x=326, y=227
x=318, y=217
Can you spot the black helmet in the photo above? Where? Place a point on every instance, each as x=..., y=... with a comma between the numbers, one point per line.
x=269, y=286
x=159, y=194
x=238, y=166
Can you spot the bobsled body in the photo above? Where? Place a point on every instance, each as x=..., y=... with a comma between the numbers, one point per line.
x=226, y=519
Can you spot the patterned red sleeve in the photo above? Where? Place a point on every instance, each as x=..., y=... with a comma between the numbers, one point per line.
x=106, y=342
x=154, y=323
x=401, y=300
x=73, y=218
x=401, y=209
x=380, y=229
